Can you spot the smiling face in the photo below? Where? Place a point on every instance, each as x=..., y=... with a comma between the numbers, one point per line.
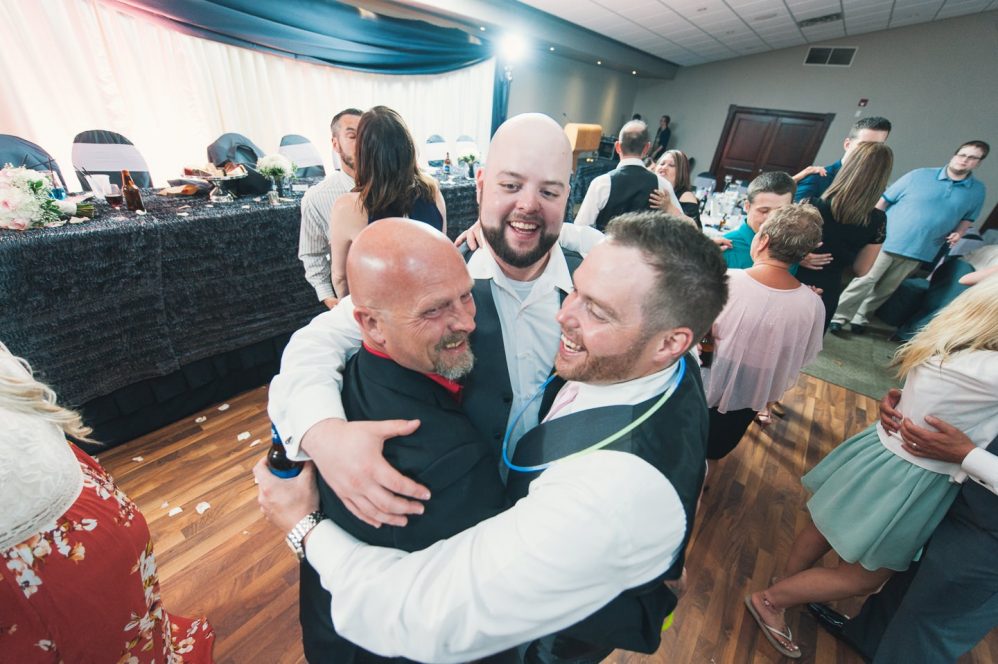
x=666, y=167
x=523, y=190
x=604, y=338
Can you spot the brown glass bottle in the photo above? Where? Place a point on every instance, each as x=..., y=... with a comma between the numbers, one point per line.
x=707, y=350
x=133, y=199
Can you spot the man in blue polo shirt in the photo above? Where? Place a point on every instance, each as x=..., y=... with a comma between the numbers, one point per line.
x=925, y=208
x=874, y=129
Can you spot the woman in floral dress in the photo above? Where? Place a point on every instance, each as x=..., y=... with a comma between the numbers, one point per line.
x=78, y=578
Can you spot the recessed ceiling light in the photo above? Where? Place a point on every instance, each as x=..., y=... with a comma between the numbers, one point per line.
x=482, y=28
x=551, y=49
x=634, y=72
x=599, y=62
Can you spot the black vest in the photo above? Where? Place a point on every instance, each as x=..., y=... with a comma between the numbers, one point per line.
x=674, y=441
x=630, y=187
x=447, y=454
x=488, y=394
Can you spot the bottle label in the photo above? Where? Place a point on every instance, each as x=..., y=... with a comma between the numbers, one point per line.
x=285, y=474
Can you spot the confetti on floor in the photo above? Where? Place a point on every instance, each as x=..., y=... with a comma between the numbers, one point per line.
x=165, y=504
x=200, y=420
x=245, y=435
x=138, y=459
x=255, y=442
x=202, y=507
x=175, y=511
x=224, y=406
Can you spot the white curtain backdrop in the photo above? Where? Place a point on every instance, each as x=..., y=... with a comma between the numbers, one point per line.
x=72, y=65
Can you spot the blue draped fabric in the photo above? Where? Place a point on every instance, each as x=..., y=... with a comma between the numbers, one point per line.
x=500, y=96
x=322, y=31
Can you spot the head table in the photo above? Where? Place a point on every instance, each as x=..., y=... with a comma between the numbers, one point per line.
x=140, y=320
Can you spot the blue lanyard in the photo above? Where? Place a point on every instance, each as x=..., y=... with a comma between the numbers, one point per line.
x=612, y=438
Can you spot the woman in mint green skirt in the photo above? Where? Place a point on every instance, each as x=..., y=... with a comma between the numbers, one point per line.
x=872, y=502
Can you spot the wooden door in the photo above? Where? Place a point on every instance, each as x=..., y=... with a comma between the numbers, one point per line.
x=758, y=139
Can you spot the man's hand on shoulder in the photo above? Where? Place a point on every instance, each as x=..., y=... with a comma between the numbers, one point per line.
x=349, y=456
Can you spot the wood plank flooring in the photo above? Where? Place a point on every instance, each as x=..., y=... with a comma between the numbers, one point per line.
x=230, y=565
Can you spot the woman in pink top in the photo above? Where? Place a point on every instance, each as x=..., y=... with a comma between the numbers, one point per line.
x=770, y=328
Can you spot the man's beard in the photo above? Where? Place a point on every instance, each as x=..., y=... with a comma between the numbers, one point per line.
x=607, y=369
x=460, y=366
x=347, y=160
x=496, y=237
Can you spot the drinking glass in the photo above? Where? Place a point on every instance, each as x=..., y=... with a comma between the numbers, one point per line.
x=113, y=196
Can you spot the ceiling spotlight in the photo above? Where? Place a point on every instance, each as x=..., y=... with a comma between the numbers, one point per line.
x=599, y=62
x=513, y=47
x=551, y=48
x=482, y=28
x=634, y=72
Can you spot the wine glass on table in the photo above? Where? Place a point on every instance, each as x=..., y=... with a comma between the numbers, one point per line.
x=113, y=196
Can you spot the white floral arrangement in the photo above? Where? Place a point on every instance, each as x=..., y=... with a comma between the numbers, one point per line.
x=276, y=167
x=26, y=202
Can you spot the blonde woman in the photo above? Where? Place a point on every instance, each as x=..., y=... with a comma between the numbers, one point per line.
x=78, y=581
x=874, y=503
x=853, y=229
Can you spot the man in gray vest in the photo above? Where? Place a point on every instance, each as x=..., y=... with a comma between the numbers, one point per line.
x=628, y=187
x=941, y=607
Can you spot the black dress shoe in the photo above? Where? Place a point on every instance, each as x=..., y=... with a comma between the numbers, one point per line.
x=829, y=618
x=835, y=328
x=855, y=328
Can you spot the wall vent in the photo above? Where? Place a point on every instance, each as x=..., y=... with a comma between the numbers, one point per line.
x=818, y=20
x=827, y=56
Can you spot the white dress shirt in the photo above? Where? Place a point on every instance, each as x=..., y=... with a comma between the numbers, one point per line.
x=307, y=390
x=313, y=238
x=599, y=193
x=589, y=528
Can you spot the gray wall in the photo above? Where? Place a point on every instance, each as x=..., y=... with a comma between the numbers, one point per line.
x=572, y=91
x=936, y=82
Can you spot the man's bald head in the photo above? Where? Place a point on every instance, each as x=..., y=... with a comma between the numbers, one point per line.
x=412, y=295
x=633, y=140
x=523, y=191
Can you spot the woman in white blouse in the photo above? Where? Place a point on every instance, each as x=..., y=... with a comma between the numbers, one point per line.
x=79, y=580
x=874, y=503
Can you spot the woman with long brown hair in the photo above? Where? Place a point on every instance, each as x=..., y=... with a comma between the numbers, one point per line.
x=675, y=167
x=389, y=184
x=853, y=228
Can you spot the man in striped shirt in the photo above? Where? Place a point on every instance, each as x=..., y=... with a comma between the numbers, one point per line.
x=313, y=241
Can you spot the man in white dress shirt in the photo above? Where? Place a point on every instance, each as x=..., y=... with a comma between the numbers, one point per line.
x=317, y=203
x=628, y=187
x=593, y=526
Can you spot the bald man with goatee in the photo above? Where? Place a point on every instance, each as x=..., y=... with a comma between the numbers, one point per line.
x=412, y=301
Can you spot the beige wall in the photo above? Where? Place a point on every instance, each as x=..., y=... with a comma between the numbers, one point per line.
x=937, y=82
x=571, y=91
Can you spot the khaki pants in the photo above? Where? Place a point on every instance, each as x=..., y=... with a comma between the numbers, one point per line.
x=864, y=295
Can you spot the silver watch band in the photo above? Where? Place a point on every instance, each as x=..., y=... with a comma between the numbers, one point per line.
x=296, y=537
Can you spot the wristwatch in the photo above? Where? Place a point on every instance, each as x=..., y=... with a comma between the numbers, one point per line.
x=297, y=535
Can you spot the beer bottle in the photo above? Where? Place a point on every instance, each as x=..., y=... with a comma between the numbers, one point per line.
x=133, y=199
x=447, y=164
x=277, y=458
x=707, y=349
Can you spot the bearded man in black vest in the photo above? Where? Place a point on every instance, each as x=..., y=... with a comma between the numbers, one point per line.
x=606, y=486
x=628, y=187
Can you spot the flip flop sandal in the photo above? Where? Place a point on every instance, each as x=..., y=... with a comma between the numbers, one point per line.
x=771, y=632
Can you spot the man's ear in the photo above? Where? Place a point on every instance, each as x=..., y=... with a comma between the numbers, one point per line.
x=671, y=344
x=479, y=184
x=647, y=147
x=616, y=148
x=370, y=324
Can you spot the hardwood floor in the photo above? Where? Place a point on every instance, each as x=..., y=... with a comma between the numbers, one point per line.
x=230, y=565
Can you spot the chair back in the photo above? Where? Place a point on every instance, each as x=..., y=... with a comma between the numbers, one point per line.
x=303, y=153
x=18, y=152
x=435, y=151
x=102, y=152
x=234, y=148
x=464, y=146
